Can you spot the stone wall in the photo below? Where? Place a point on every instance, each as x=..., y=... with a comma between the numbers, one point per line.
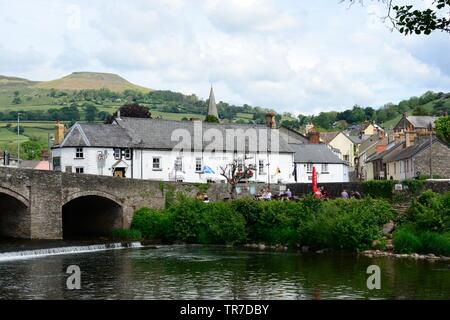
x=440, y=160
x=45, y=193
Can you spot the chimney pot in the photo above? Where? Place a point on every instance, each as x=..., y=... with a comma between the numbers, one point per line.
x=270, y=120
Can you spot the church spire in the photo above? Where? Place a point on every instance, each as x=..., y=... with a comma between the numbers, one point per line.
x=212, y=108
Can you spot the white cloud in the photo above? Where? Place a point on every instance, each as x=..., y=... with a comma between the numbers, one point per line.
x=279, y=54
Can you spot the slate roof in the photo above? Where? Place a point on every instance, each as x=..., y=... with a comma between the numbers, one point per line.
x=328, y=136
x=414, y=149
x=98, y=135
x=156, y=134
x=315, y=153
x=421, y=121
x=388, y=152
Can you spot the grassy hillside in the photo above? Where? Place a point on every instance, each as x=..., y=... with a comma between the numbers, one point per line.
x=14, y=82
x=91, y=80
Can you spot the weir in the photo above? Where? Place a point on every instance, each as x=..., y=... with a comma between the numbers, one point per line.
x=30, y=254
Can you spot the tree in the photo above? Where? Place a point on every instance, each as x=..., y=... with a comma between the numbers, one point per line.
x=443, y=128
x=420, y=111
x=31, y=150
x=91, y=112
x=133, y=110
x=16, y=99
x=211, y=119
x=407, y=19
x=234, y=174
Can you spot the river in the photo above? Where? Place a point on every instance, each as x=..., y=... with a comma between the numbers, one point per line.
x=201, y=272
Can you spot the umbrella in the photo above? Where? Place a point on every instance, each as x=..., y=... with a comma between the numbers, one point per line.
x=316, y=190
x=207, y=169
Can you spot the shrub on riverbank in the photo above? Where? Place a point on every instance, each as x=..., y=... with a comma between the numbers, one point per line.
x=430, y=212
x=408, y=240
x=127, y=234
x=340, y=224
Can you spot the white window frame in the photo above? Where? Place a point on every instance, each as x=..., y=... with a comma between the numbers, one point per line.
x=79, y=153
x=198, y=162
x=324, y=168
x=128, y=154
x=309, y=167
x=261, y=166
x=179, y=164
x=117, y=154
x=78, y=169
x=159, y=168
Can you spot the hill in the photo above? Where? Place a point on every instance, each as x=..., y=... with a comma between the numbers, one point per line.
x=91, y=80
x=14, y=82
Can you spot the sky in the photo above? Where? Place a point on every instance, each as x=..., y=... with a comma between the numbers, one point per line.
x=298, y=56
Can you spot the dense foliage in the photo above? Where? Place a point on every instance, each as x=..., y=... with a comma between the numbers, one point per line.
x=337, y=224
x=426, y=227
x=379, y=188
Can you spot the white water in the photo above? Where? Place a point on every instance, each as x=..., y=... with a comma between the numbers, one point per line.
x=38, y=253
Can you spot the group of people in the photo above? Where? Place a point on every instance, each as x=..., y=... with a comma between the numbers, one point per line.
x=352, y=194
x=267, y=195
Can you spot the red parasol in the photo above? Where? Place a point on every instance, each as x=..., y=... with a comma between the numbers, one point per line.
x=316, y=190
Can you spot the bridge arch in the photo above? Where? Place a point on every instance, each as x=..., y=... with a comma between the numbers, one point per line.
x=15, y=219
x=91, y=214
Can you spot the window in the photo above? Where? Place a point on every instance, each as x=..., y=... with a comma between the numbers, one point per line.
x=79, y=170
x=179, y=164
x=345, y=157
x=79, y=153
x=57, y=163
x=324, y=167
x=117, y=154
x=69, y=169
x=156, y=163
x=395, y=168
x=198, y=165
x=261, y=166
x=309, y=167
x=309, y=178
x=128, y=154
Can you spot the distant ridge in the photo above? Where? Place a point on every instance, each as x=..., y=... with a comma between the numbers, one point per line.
x=6, y=81
x=91, y=80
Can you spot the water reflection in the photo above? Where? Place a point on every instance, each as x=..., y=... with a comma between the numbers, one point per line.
x=221, y=273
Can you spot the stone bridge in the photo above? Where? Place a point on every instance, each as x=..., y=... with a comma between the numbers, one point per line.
x=53, y=205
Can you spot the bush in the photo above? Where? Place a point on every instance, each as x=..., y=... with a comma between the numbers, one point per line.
x=409, y=240
x=222, y=225
x=379, y=188
x=346, y=224
x=405, y=241
x=127, y=234
x=187, y=218
x=152, y=224
x=430, y=212
x=435, y=243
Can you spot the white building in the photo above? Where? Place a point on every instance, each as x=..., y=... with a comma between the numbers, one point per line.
x=188, y=151
x=328, y=166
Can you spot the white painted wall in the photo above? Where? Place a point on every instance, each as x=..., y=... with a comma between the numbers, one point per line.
x=336, y=173
x=141, y=167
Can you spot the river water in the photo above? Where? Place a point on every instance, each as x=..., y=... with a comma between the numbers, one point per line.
x=198, y=272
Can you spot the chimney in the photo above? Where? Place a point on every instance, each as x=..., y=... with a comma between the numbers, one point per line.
x=409, y=138
x=314, y=137
x=270, y=120
x=59, y=132
x=380, y=148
